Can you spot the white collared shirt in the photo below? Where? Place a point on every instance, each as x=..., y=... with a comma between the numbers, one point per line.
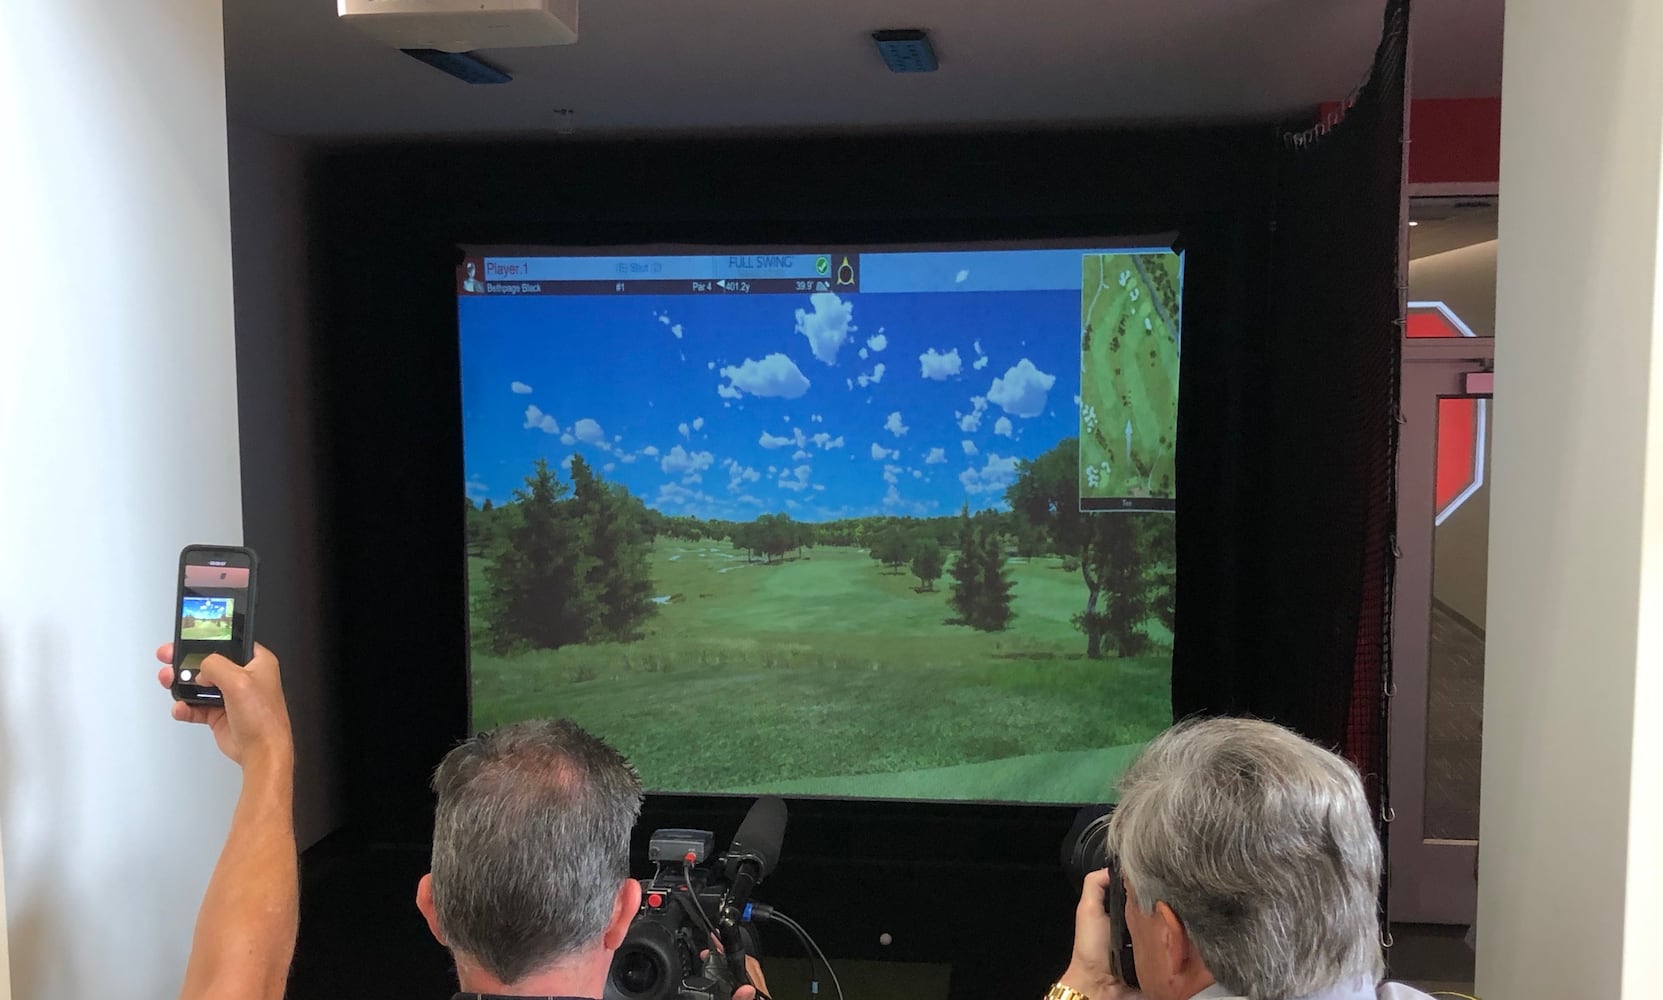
x=1360, y=990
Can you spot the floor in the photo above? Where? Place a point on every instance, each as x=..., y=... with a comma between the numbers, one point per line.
x=1432, y=958
x=1454, y=727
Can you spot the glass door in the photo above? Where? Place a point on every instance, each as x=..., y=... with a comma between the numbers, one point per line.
x=1436, y=734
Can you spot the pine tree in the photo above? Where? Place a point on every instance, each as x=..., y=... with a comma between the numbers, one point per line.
x=614, y=541
x=966, y=573
x=993, y=610
x=536, y=591
x=928, y=562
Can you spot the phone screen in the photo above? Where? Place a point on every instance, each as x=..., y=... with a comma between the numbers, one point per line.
x=215, y=614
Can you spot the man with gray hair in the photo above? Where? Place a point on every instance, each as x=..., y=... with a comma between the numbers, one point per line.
x=1251, y=868
x=530, y=886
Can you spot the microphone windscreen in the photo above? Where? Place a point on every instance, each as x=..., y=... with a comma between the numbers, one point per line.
x=763, y=832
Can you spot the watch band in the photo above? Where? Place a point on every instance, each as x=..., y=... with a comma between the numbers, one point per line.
x=1060, y=992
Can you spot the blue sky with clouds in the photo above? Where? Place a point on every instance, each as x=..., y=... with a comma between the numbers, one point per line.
x=820, y=406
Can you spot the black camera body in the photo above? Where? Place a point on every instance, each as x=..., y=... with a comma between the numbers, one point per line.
x=1085, y=850
x=668, y=953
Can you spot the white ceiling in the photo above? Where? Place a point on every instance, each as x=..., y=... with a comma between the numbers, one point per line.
x=680, y=66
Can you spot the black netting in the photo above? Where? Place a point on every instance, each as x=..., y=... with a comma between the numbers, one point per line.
x=1285, y=601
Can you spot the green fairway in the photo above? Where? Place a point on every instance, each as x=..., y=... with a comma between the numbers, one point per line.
x=212, y=630
x=827, y=675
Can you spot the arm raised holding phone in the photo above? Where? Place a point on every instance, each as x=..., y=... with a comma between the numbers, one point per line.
x=245, y=932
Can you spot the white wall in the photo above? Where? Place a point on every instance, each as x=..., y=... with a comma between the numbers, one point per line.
x=118, y=445
x=1571, y=886
x=279, y=454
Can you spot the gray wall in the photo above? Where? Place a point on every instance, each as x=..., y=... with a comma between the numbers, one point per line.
x=280, y=474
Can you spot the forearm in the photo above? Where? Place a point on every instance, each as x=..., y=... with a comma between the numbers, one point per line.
x=245, y=932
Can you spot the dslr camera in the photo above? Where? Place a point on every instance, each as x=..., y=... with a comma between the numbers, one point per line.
x=1085, y=850
x=695, y=898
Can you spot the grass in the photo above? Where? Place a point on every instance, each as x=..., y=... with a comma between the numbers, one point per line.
x=1128, y=377
x=828, y=675
x=206, y=630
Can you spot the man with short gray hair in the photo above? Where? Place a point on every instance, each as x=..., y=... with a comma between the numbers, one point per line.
x=530, y=886
x=1251, y=868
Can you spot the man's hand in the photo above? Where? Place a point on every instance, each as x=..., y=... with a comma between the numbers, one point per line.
x=758, y=988
x=253, y=727
x=1088, y=968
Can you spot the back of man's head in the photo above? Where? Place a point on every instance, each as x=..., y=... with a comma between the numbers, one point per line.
x=1263, y=845
x=530, y=844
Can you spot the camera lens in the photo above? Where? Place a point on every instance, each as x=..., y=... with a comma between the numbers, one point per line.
x=1085, y=849
x=647, y=965
x=638, y=974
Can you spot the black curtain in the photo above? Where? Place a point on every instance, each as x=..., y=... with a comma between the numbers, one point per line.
x=1287, y=508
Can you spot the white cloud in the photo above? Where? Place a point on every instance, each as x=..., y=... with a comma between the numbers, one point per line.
x=819, y=487
x=566, y=463
x=938, y=366
x=971, y=421
x=1022, y=390
x=519, y=388
x=800, y=455
x=917, y=474
x=728, y=392
x=861, y=354
x=995, y=476
x=608, y=467
x=663, y=318
x=878, y=342
x=698, y=423
x=980, y=362
x=874, y=378
x=1003, y=426
x=674, y=493
x=678, y=461
x=892, y=474
x=815, y=418
x=977, y=344
x=959, y=279
x=476, y=488
x=798, y=480
x=628, y=459
x=567, y=438
x=768, y=440
x=849, y=382
x=683, y=429
x=969, y=447
x=710, y=366
x=827, y=327
x=879, y=452
x=651, y=451
x=894, y=425
x=589, y=432
x=774, y=375
x=892, y=496
x=739, y=475
x=536, y=419
x=676, y=330
x=936, y=456
x=826, y=442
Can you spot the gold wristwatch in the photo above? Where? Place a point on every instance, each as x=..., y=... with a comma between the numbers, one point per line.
x=1060, y=992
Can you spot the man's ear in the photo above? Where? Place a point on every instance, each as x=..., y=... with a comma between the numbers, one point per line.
x=424, y=903
x=1175, y=940
x=624, y=907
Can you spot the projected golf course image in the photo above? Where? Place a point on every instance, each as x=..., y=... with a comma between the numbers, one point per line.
x=813, y=545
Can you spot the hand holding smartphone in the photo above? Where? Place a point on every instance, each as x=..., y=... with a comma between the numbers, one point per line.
x=214, y=614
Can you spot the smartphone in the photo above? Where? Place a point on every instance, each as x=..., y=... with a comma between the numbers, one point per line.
x=214, y=614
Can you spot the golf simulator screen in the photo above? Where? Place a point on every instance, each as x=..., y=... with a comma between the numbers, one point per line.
x=842, y=521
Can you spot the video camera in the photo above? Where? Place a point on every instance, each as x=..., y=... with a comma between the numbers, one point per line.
x=1085, y=850
x=691, y=898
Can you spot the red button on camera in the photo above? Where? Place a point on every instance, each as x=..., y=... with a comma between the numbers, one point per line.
x=655, y=900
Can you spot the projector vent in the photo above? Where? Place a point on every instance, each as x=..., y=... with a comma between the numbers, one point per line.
x=906, y=50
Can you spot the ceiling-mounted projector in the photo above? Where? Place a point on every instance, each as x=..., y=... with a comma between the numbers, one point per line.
x=464, y=25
